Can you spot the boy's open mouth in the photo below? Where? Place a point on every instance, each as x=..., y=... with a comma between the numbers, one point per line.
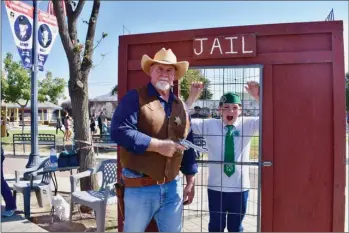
x=230, y=118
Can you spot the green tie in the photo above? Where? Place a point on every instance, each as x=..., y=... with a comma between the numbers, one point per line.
x=229, y=169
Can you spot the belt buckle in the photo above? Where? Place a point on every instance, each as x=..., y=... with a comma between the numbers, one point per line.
x=162, y=182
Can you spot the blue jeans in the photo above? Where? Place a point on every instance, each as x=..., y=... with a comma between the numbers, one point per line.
x=6, y=193
x=222, y=203
x=163, y=202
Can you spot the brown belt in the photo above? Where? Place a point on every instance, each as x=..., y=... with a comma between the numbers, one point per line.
x=142, y=181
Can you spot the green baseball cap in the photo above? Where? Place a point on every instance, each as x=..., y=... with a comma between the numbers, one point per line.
x=230, y=98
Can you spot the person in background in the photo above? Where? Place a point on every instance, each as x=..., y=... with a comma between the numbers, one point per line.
x=197, y=113
x=67, y=126
x=59, y=125
x=93, y=125
x=198, y=140
x=101, y=119
x=105, y=126
x=6, y=192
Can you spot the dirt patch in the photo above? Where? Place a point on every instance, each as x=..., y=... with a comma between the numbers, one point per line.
x=81, y=222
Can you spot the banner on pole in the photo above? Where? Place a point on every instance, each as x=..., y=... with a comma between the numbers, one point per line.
x=21, y=22
x=47, y=33
x=20, y=16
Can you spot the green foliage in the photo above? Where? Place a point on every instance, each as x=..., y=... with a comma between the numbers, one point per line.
x=16, y=85
x=191, y=76
x=51, y=89
x=114, y=90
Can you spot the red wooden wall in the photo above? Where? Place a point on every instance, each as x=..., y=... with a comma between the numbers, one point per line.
x=303, y=113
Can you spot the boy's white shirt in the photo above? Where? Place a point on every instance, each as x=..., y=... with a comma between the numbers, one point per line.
x=214, y=131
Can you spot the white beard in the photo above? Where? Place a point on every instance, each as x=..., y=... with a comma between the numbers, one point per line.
x=162, y=85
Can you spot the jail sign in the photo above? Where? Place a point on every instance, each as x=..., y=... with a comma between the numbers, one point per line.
x=224, y=46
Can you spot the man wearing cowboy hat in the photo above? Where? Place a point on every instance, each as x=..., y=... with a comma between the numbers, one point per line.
x=147, y=125
x=228, y=185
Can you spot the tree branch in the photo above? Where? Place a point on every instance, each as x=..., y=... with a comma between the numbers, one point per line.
x=22, y=106
x=102, y=55
x=98, y=42
x=78, y=9
x=63, y=29
x=87, y=58
x=68, y=8
x=71, y=22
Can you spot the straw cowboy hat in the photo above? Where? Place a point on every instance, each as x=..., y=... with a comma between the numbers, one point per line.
x=166, y=57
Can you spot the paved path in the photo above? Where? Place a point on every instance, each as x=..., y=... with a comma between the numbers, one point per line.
x=18, y=223
x=195, y=216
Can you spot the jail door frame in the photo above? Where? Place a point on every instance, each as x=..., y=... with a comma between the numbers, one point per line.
x=259, y=163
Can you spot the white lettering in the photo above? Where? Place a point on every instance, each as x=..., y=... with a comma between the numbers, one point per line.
x=243, y=46
x=216, y=46
x=231, y=45
x=201, y=46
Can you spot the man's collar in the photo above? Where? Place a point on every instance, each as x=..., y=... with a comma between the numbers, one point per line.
x=153, y=92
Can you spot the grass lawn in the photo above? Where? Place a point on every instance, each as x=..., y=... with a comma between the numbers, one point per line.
x=9, y=139
x=20, y=149
x=25, y=149
x=254, y=148
x=59, y=140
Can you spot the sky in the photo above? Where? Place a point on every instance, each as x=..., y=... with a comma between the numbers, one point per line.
x=156, y=16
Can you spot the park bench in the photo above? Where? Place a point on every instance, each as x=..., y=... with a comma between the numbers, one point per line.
x=199, y=141
x=43, y=139
x=103, y=141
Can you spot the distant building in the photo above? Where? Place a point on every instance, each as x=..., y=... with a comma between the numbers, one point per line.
x=108, y=102
x=47, y=112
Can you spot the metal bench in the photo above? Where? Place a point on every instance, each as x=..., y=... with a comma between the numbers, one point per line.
x=43, y=139
x=103, y=141
x=199, y=141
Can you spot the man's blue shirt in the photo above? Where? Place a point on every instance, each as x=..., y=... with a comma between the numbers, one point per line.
x=124, y=128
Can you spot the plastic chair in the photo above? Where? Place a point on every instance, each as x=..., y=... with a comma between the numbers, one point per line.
x=96, y=200
x=38, y=186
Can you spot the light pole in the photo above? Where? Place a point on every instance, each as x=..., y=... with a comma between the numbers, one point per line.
x=34, y=158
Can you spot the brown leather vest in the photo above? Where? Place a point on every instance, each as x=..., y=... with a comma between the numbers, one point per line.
x=152, y=121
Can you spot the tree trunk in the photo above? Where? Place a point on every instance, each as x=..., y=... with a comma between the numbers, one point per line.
x=79, y=68
x=79, y=101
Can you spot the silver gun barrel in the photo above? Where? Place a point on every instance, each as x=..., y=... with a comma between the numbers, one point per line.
x=187, y=144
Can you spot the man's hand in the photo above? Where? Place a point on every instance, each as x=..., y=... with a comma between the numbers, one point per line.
x=165, y=147
x=195, y=92
x=189, y=190
x=253, y=89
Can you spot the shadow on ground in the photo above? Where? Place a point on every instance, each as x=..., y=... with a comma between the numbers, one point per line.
x=44, y=221
x=15, y=218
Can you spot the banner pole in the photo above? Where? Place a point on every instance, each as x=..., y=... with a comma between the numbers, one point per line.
x=34, y=158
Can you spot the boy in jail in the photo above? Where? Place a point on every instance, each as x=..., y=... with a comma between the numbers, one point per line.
x=229, y=140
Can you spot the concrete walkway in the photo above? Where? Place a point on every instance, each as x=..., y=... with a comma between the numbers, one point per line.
x=18, y=223
x=195, y=215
